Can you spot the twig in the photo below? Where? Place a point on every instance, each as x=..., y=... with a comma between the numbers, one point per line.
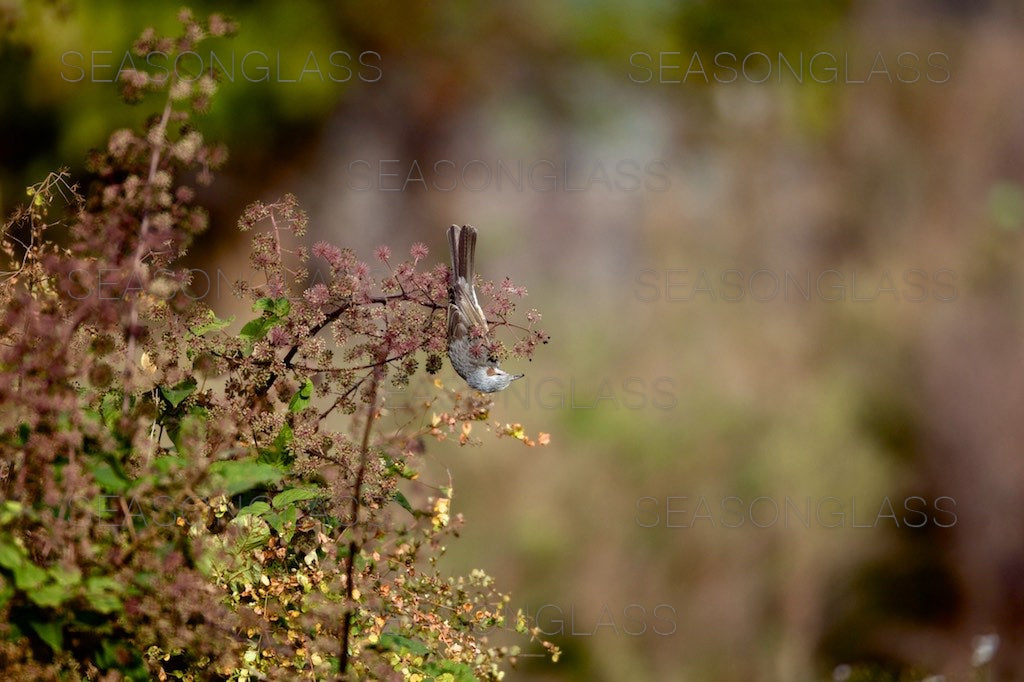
x=331, y=317
x=353, y=544
x=137, y=257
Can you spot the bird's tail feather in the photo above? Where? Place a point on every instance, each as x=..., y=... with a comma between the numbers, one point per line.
x=462, y=241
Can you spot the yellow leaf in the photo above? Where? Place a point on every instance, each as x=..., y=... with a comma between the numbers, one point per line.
x=147, y=363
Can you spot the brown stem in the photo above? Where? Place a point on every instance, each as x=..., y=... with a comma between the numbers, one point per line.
x=353, y=544
x=344, y=395
x=133, y=315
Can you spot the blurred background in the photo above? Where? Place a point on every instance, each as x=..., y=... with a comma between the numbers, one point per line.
x=777, y=247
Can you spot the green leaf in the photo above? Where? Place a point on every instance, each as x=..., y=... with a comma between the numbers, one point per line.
x=255, y=509
x=102, y=593
x=403, y=502
x=293, y=495
x=274, y=311
x=237, y=476
x=109, y=477
x=456, y=672
x=398, y=467
x=402, y=644
x=213, y=324
x=11, y=555
x=279, y=307
x=284, y=438
x=254, y=330
x=110, y=408
x=50, y=632
x=277, y=454
x=284, y=523
x=192, y=423
x=28, y=576
x=49, y=596
x=105, y=602
x=168, y=463
x=302, y=397
x=176, y=394
x=9, y=510
x=65, y=577
x=255, y=532
x=263, y=305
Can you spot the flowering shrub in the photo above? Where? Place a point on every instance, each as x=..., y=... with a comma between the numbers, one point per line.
x=179, y=501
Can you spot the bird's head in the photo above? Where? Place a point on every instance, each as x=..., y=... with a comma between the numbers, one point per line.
x=492, y=379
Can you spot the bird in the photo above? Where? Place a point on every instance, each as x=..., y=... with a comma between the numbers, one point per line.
x=464, y=313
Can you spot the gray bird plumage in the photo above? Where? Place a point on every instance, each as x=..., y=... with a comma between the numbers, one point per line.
x=464, y=313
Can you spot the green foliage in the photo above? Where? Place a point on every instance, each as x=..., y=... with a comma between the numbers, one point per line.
x=157, y=525
x=238, y=476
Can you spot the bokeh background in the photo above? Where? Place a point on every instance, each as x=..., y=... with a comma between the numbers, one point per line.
x=786, y=379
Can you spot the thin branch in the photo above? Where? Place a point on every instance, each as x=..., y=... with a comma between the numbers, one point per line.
x=137, y=257
x=328, y=319
x=353, y=545
x=344, y=395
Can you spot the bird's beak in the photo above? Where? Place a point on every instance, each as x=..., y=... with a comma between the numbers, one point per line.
x=517, y=376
